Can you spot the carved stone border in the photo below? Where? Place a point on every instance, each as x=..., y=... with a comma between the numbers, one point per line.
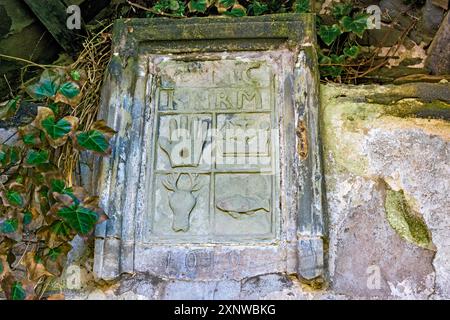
x=119, y=178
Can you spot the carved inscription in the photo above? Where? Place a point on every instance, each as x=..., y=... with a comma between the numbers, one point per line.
x=214, y=145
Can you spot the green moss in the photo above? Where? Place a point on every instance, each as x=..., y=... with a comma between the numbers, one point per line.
x=409, y=225
x=413, y=108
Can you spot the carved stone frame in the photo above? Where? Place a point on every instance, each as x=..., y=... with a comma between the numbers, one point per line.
x=119, y=179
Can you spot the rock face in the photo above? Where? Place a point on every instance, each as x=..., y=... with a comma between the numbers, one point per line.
x=438, y=61
x=387, y=177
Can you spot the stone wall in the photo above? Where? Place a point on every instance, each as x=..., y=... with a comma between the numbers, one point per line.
x=386, y=155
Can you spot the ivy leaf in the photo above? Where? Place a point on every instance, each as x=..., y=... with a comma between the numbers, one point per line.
x=56, y=132
x=236, y=11
x=69, y=93
x=58, y=185
x=58, y=129
x=46, y=87
x=57, y=233
x=36, y=157
x=96, y=139
x=9, y=155
x=54, y=107
x=223, y=5
x=69, y=89
x=27, y=218
x=329, y=33
x=10, y=109
x=79, y=218
x=227, y=3
x=329, y=65
x=93, y=140
x=357, y=25
x=30, y=135
x=351, y=52
x=340, y=10
x=17, y=291
x=258, y=8
x=75, y=75
x=301, y=6
x=14, y=198
x=9, y=226
x=197, y=6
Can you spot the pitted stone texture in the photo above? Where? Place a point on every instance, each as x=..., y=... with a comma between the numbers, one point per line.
x=150, y=287
x=371, y=147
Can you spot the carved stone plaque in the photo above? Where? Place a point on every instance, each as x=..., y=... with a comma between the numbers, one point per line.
x=214, y=148
x=215, y=172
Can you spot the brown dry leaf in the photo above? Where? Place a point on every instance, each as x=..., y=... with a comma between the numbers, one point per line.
x=71, y=102
x=4, y=266
x=36, y=270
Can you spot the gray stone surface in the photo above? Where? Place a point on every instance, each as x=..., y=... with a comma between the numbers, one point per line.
x=215, y=174
x=438, y=61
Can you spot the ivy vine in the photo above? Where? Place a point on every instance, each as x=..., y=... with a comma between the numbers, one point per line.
x=40, y=213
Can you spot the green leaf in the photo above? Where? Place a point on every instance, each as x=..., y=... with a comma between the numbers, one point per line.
x=60, y=228
x=29, y=139
x=75, y=75
x=351, y=52
x=2, y=157
x=54, y=253
x=46, y=88
x=356, y=25
x=301, y=6
x=59, y=186
x=9, y=226
x=27, y=217
x=10, y=108
x=329, y=33
x=14, y=198
x=36, y=157
x=79, y=218
x=258, y=8
x=54, y=107
x=227, y=3
x=56, y=130
x=341, y=9
x=17, y=291
x=69, y=89
x=197, y=6
x=236, y=11
x=93, y=140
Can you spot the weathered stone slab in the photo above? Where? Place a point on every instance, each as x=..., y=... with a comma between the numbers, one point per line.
x=378, y=142
x=215, y=172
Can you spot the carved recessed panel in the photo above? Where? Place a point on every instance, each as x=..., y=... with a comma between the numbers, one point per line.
x=209, y=177
x=214, y=148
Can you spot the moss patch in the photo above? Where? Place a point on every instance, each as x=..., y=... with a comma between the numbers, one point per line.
x=409, y=225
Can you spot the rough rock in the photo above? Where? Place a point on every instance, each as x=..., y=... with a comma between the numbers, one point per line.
x=438, y=61
x=371, y=148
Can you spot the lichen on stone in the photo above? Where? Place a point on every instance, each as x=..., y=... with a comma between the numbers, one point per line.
x=408, y=224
